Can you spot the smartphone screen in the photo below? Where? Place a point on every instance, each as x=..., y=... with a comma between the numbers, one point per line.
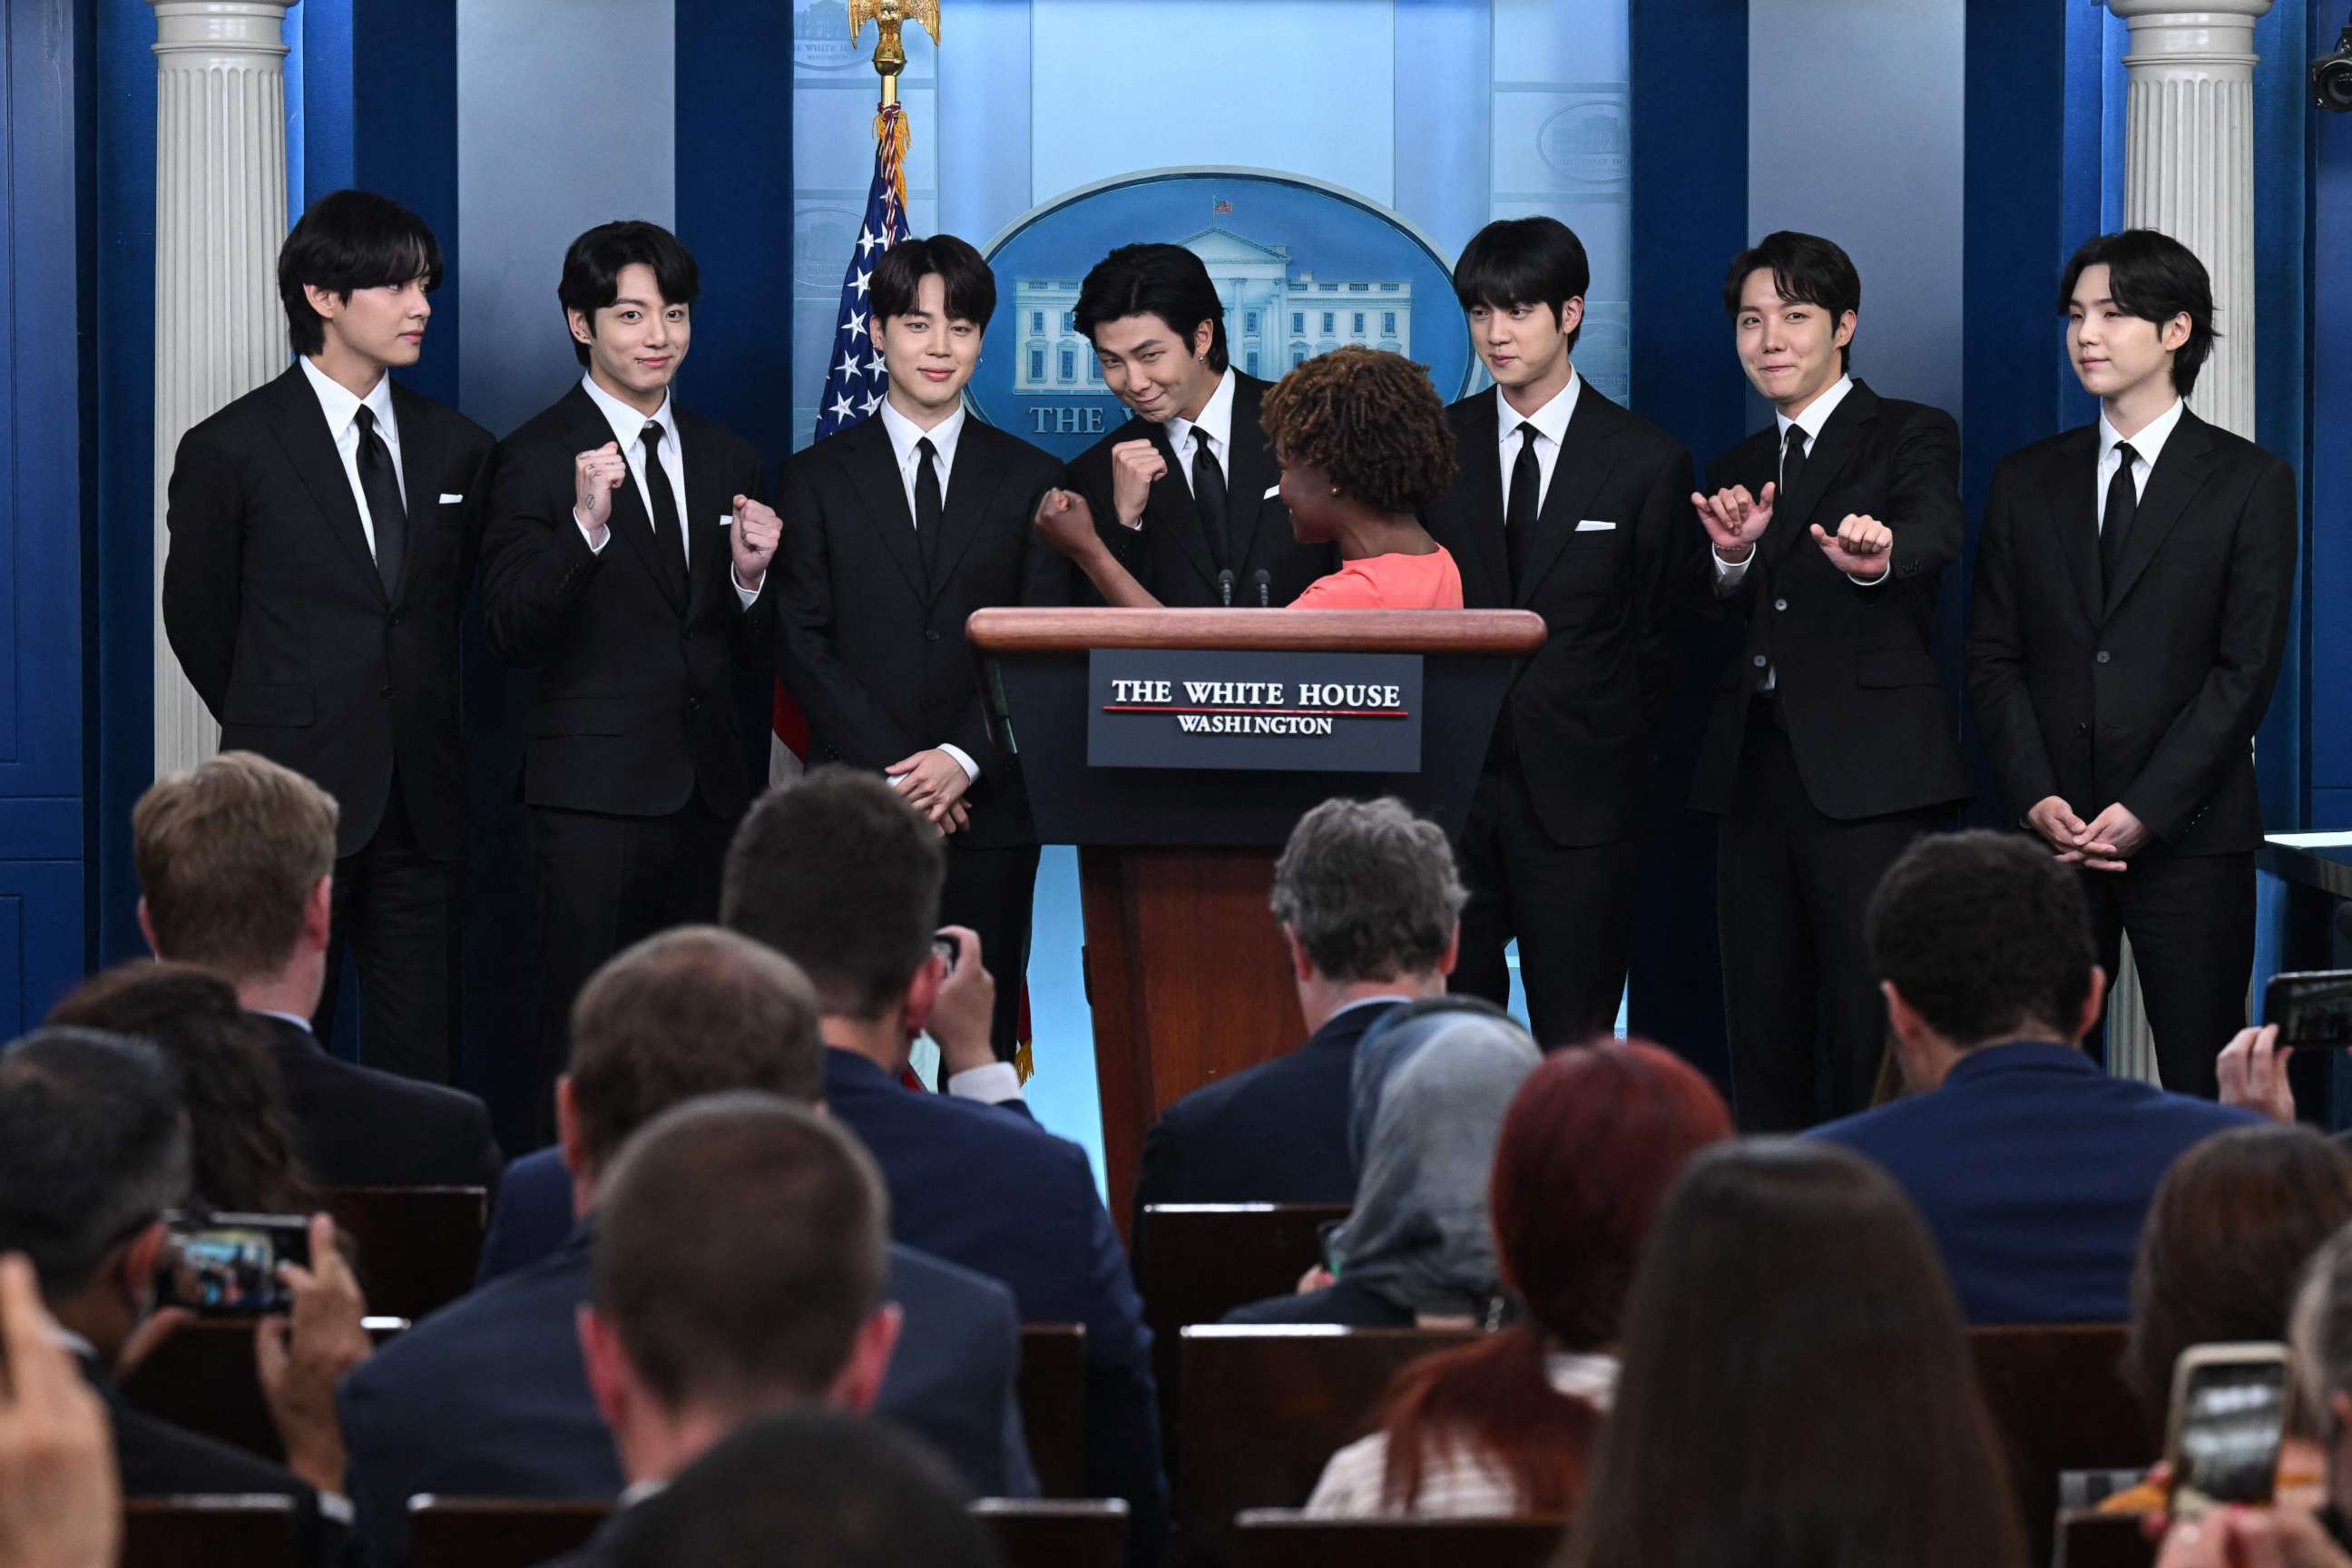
x=225, y=1265
x=2229, y=1413
x=2310, y=1008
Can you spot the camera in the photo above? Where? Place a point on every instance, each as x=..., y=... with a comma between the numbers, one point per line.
x=2331, y=76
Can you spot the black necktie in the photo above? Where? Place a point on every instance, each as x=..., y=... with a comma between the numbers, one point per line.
x=1209, y=496
x=381, y=488
x=1519, y=508
x=1793, y=464
x=2123, y=499
x=928, y=505
x=669, y=538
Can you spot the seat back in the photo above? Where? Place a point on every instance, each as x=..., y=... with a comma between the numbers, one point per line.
x=1053, y=1390
x=202, y=1377
x=1057, y=1534
x=2088, y=1539
x=416, y=1248
x=208, y=1533
x=1265, y=1409
x=497, y=1532
x=2058, y=1398
x=1284, y=1538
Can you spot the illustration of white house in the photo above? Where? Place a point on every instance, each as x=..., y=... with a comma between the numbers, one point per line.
x=1272, y=321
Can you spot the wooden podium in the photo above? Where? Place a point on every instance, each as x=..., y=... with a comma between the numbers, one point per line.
x=1185, y=970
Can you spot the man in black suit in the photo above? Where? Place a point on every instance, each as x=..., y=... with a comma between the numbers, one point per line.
x=235, y=860
x=903, y=525
x=2131, y=601
x=497, y=1395
x=1184, y=492
x=1569, y=506
x=323, y=533
x=1832, y=745
x=94, y=1149
x=1370, y=910
x=623, y=556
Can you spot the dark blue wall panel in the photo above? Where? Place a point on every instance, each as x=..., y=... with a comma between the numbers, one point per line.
x=2327, y=475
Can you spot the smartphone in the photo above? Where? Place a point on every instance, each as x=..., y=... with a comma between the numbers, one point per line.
x=225, y=1265
x=949, y=946
x=2313, y=1007
x=2229, y=1412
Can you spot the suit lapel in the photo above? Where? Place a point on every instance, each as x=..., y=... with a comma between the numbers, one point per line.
x=2073, y=496
x=2181, y=471
x=1251, y=470
x=1477, y=432
x=1586, y=456
x=589, y=430
x=972, y=484
x=1792, y=515
x=873, y=466
x=300, y=429
x=1171, y=511
x=421, y=442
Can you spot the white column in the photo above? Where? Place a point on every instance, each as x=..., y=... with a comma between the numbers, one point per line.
x=220, y=217
x=2188, y=171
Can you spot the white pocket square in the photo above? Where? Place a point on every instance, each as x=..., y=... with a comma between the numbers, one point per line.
x=1271, y=492
x=725, y=518
x=1595, y=525
x=448, y=499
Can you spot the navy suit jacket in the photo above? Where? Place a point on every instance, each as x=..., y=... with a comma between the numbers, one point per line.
x=489, y=1397
x=358, y=1127
x=985, y=1186
x=2034, y=1170
x=1274, y=1133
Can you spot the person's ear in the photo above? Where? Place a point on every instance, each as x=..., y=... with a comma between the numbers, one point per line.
x=1204, y=338
x=327, y=304
x=915, y=1014
x=1844, y=333
x=569, y=1137
x=1453, y=954
x=147, y=927
x=318, y=913
x=2093, y=999
x=1571, y=315
x=611, y=1380
x=859, y=1383
x=583, y=330
x=2174, y=334
x=1302, y=968
x=1910, y=1029
x=136, y=1272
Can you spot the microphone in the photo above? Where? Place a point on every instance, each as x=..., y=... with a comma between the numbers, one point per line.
x=1264, y=581
x=1225, y=587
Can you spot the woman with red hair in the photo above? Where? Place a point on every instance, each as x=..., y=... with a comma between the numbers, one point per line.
x=1592, y=1142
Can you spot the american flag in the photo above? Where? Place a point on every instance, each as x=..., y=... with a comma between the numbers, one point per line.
x=855, y=380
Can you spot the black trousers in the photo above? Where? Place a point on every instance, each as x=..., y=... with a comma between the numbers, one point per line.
x=1802, y=1012
x=2191, y=922
x=395, y=914
x=993, y=890
x=1571, y=909
x=605, y=882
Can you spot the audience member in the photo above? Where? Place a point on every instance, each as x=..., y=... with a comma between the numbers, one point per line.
x=1432, y=1081
x=1796, y=1386
x=236, y=861
x=812, y=1487
x=1588, y=1149
x=681, y=1337
x=60, y=1500
x=2253, y=1073
x=1370, y=909
x=837, y=873
x=490, y=1397
x=2032, y=1168
x=94, y=1150
x=243, y=1136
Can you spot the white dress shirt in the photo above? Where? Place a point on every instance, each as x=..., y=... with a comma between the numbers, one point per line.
x=628, y=430
x=1551, y=428
x=1216, y=422
x=341, y=407
x=2146, y=447
x=905, y=438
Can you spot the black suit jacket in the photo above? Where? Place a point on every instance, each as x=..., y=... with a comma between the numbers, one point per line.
x=1170, y=554
x=872, y=644
x=1858, y=687
x=273, y=605
x=636, y=709
x=360, y=1128
x=2146, y=690
x=1581, y=716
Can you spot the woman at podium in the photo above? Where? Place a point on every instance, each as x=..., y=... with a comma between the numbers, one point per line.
x=1364, y=445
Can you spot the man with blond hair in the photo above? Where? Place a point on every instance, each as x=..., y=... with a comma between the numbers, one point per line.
x=236, y=861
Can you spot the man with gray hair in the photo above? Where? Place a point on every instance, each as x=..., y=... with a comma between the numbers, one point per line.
x=1371, y=908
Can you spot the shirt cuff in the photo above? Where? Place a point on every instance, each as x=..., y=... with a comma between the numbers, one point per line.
x=992, y=1085
x=1728, y=573
x=963, y=760
x=749, y=596
x=593, y=547
x=1872, y=582
x=336, y=1507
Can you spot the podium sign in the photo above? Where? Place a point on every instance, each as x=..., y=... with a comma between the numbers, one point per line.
x=1226, y=708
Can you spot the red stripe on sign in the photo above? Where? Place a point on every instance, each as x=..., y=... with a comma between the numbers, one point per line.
x=1293, y=712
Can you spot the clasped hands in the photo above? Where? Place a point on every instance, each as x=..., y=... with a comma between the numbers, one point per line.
x=1735, y=521
x=2102, y=844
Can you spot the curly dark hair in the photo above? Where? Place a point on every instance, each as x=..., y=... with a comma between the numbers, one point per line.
x=1370, y=420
